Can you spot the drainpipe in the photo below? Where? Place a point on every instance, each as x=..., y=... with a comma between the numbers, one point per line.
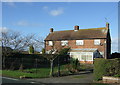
x=105, y=50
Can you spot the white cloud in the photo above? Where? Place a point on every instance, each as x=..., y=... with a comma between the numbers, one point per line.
x=114, y=44
x=45, y=7
x=57, y=12
x=53, y=12
x=26, y=23
x=22, y=23
x=12, y=4
x=3, y=29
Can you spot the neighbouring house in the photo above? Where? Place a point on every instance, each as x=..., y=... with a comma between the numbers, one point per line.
x=85, y=44
x=115, y=55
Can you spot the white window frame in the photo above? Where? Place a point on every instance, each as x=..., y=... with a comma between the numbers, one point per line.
x=64, y=43
x=97, y=42
x=50, y=43
x=79, y=55
x=79, y=42
x=86, y=56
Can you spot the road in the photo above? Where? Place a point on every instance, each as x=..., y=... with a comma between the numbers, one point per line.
x=84, y=78
x=12, y=81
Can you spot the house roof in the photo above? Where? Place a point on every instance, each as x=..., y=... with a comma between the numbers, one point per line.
x=92, y=33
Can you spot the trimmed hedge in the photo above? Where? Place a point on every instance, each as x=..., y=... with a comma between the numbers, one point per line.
x=106, y=67
x=15, y=61
x=27, y=60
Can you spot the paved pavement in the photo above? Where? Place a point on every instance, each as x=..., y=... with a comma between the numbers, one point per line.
x=83, y=77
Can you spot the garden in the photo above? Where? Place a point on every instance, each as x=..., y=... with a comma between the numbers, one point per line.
x=32, y=65
x=43, y=71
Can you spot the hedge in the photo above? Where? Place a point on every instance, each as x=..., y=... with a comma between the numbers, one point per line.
x=31, y=61
x=106, y=67
x=27, y=60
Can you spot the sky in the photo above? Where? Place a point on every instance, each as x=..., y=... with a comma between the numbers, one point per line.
x=39, y=17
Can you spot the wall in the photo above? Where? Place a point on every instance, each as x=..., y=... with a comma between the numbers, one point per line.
x=72, y=43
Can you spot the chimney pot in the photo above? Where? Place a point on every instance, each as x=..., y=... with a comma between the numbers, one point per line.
x=51, y=30
x=76, y=28
x=107, y=25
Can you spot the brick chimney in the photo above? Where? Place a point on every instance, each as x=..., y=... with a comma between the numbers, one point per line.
x=51, y=30
x=107, y=25
x=76, y=28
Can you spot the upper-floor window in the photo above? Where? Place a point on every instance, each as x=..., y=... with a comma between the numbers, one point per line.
x=97, y=42
x=79, y=42
x=50, y=43
x=64, y=43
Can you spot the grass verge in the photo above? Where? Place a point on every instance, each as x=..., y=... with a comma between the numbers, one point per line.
x=31, y=73
x=41, y=73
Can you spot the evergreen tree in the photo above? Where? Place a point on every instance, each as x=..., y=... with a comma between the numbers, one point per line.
x=31, y=49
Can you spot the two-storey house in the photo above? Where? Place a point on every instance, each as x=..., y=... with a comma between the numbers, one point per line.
x=85, y=44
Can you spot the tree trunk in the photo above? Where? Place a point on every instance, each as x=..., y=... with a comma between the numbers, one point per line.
x=3, y=62
x=51, y=71
x=58, y=65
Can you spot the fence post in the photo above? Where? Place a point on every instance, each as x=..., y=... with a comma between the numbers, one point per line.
x=58, y=66
x=36, y=65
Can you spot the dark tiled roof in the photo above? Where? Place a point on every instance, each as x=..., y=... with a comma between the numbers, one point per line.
x=80, y=34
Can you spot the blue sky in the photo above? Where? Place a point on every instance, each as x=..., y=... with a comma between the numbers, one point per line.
x=39, y=17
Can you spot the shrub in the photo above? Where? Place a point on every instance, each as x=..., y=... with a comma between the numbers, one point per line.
x=99, y=69
x=31, y=49
x=74, y=62
x=64, y=51
x=43, y=51
x=106, y=67
x=63, y=56
x=73, y=66
x=27, y=60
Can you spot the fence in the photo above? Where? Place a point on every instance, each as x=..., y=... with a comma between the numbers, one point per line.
x=24, y=61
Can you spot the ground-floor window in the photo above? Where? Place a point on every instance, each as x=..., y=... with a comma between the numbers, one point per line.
x=86, y=57
x=83, y=56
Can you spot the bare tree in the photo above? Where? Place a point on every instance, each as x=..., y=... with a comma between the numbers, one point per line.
x=56, y=51
x=52, y=55
x=17, y=42
x=38, y=43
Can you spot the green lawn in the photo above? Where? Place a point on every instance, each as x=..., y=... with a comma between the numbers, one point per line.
x=43, y=72
x=39, y=72
x=31, y=73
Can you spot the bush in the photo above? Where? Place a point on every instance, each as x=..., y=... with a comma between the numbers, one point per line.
x=31, y=49
x=106, y=67
x=64, y=51
x=74, y=62
x=84, y=67
x=27, y=60
x=73, y=66
x=43, y=51
x=62, y=56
